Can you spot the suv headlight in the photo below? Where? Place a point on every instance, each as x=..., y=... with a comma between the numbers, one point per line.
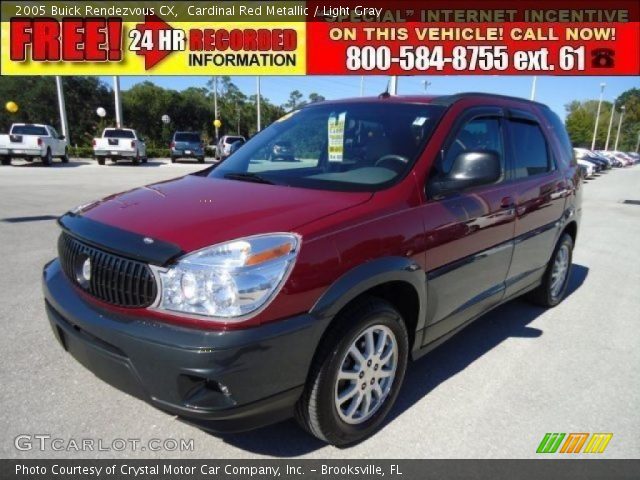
x=229, y=280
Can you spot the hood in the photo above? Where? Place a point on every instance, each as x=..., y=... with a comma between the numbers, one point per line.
x=193, y=212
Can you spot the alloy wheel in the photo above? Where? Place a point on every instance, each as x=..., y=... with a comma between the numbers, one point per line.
x=366, y=374
x=559, y=270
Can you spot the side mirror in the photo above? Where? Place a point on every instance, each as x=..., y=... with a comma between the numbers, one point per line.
x=470, y=169
x=235, y=146
x=61, y=137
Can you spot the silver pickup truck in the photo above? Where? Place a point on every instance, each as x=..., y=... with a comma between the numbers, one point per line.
x=31, y=141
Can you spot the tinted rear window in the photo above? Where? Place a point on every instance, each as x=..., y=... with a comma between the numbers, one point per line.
x=187, y=137
x=230, y=140
x=29, y=130
x=118, y=133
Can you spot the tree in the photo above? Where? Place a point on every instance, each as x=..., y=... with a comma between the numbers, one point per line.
x=581, y=121
x=295, y=100
x=579, y=125
x=37, y=101
x=316, y=97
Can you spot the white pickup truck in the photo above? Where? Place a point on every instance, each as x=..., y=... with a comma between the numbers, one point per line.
x=30, y=141
x=119, y=144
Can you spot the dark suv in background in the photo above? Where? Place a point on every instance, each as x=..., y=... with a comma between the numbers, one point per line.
x=187, y=145
x=259, y=289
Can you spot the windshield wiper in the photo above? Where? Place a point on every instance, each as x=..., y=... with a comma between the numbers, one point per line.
x=248, y=177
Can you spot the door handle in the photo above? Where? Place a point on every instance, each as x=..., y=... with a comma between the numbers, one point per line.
x=507, y=203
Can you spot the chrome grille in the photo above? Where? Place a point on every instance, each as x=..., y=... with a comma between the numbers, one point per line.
x=114, y=279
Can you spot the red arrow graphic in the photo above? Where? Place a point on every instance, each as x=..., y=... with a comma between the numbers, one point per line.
x=153, y=55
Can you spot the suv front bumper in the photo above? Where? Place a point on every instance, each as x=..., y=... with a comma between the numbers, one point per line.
x=221, y=380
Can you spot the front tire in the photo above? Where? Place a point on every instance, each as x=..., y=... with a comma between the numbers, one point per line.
x=101, y=160
x=201, y=159
x=556, y=277
x=356, y=374
x=5, y=160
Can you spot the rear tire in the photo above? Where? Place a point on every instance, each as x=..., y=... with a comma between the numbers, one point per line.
x=368, y=382
x=173, y=159
x=201, y=159
x=101, y=160
x=65, y=158
x=556, y=277
x=144, y=159
x=46, y=160
x=136, y=159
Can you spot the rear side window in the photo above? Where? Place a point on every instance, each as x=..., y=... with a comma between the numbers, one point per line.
x=118, y=133
x=187, y=137
x=29, y=130
x=230, y=140
x=530, y=149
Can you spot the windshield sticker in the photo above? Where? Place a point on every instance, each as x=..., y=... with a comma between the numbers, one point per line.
x=336, y=137
x=419, y=121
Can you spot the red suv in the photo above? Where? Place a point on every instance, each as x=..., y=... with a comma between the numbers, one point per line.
x=258, y=289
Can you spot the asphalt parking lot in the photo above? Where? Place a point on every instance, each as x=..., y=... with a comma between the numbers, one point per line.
x=491, y=392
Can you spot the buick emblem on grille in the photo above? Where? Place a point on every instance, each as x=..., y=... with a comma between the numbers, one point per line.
x=83, y=271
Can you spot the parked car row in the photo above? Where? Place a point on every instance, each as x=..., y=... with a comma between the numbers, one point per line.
x=43, y=142
x=592, y=162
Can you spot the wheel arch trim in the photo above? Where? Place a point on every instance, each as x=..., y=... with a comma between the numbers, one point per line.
x=367, y=276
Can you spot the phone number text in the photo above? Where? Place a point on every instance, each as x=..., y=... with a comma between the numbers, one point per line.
x=473, y=57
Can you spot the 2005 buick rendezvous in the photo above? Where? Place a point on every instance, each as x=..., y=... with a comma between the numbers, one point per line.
x=260, y=289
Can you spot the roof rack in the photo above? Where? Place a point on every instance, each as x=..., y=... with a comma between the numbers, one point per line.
x=448, y=100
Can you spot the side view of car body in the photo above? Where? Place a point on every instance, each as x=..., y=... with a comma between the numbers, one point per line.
x=30, y=141
x=119, y=144
x=304, y=288
x=223, y=150
x=186, y=145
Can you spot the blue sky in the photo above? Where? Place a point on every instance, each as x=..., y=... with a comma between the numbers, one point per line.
x=554, y=91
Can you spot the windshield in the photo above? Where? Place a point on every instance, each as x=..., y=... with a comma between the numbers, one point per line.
x=29, y=130
x=117, y=133
x=187, y=137
x=346, y=146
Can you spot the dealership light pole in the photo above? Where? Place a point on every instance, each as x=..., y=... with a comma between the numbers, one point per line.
x=613, y=110
x=215, y=103
x=393, y=85
x=622, y=109
x=595, y=128
x=258, y=103
x=61, y=106
x=533, y=87
x=118, y=101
